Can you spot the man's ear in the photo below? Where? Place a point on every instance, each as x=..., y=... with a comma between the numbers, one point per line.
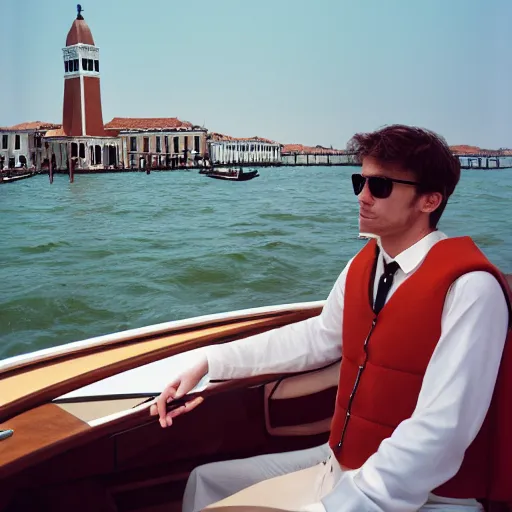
x=431, y=202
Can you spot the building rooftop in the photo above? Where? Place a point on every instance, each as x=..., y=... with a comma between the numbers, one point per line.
x=32, y=125
x=464, y=149
x=149, y=124
x=301, y=149
x=59, y=132
x=221, y=137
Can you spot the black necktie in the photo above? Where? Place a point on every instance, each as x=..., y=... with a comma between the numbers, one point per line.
x=385, y=282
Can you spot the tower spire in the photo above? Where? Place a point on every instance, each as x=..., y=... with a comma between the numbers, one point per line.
x=82, y=144
x=82, y=113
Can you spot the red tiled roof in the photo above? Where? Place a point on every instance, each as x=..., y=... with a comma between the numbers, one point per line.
x=55, y=133
x=32, y=125
x=79, y=33
x=464, y=149
x=148, y=123
x=60, y=133
x=299, y=148
x=220, y=137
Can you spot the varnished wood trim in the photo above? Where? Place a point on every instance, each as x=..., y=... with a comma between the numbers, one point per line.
x=37, y=435
x=66, y=432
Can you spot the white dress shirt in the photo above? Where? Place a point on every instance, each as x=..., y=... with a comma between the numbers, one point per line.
x=427, y=449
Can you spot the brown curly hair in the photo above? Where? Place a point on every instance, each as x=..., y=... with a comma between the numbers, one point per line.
x=423, y=152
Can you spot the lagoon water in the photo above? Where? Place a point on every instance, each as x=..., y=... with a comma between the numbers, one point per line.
x=113, y=252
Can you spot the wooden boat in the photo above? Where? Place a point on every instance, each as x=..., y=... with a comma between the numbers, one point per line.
x=19, y=177
x=83, y=438
x=232, y=174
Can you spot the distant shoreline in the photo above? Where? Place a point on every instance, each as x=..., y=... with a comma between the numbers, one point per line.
x=30, y=172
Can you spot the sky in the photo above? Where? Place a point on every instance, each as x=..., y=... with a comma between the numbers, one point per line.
x=310, y=72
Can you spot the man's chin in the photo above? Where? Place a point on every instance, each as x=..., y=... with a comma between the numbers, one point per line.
x=365, y=231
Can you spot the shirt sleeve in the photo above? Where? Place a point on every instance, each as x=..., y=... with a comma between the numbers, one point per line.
x=427, y=449
x=301, y=346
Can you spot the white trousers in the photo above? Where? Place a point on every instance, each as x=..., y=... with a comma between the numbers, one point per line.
x=286, y=481
x=213, y=482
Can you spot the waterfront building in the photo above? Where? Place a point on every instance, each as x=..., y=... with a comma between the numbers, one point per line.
x=159, y=143
x=82, y=142
x=473, y=157
x=298, y=154
x=224, y=149
x=22, y=145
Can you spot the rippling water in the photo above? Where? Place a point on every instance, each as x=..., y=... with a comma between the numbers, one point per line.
x=113, y=252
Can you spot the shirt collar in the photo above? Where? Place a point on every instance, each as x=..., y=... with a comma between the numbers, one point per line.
x=414, y=255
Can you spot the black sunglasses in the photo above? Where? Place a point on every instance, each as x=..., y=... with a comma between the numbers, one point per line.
x=380, y=186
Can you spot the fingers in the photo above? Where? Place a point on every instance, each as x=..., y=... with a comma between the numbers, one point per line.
x=165, y=397
x=183, y=388
x=194, y=403
x=186, y=407
x=178, y=389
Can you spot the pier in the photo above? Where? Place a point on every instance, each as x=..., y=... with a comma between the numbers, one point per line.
x=300, y=155
x=485, y=162
x=311, y=159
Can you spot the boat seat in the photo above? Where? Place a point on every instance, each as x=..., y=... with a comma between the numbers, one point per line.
x=301, y=405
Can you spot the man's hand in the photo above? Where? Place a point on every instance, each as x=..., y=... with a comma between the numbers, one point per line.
x=178, y=388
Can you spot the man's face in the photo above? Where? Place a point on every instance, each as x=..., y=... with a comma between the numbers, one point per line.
x=394, y=215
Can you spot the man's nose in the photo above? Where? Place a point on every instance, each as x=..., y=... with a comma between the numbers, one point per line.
x=365, y=196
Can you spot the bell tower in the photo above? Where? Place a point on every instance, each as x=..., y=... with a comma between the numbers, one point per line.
x=82, y=115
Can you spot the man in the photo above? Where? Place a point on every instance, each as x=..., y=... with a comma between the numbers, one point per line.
x=421, y=322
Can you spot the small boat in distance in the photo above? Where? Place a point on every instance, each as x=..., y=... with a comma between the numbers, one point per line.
x=8, y=178
x=232, y=174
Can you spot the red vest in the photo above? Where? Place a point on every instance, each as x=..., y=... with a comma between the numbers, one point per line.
x=398, y=351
